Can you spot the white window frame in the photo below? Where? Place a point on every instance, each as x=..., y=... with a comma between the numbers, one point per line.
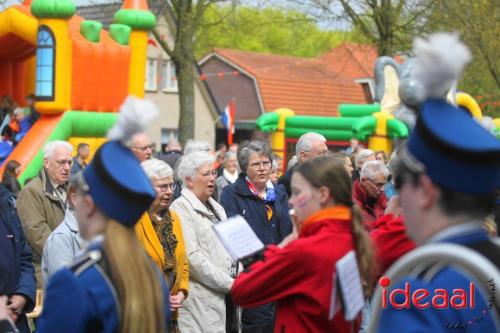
x=169, y=85
x=371, y=85
x=169, y=133
x=154, y=86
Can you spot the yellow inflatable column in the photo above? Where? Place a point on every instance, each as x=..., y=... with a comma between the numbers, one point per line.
x=136, y=14
x=379, y=140
x=278, y=137
x=137, y=72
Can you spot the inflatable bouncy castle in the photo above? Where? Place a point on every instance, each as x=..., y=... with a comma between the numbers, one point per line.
x=79, y=72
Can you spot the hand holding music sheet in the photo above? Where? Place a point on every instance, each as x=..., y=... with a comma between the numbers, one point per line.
x=238, y=237
x=347, y=292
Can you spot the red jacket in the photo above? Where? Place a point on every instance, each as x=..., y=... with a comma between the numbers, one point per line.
x=390, y=240
x=371, y=208
x=299, y=277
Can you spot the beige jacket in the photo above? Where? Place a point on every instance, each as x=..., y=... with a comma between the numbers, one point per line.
x=40, y=211
x=209, y=266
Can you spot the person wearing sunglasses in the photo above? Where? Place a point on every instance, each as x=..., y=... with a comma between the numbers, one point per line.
x=160, y=231
x=368, y=191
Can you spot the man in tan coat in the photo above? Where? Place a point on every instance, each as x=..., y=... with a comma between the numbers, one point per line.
x=42, y=202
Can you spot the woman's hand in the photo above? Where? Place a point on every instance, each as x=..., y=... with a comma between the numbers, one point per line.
x=176, y=301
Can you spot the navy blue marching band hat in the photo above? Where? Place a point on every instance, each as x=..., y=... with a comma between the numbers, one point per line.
x=450, y=146
x=115, y=179
x=453, y=149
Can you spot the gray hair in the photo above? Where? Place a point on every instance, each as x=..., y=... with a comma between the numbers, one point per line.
x=196, y=145
x=131, y=141
x=18, y=111
x=372, y=168
x=306, y=141
x=50, y=147
x=157, y=169
x=190, y=164
x=362, y=156
x=229, y=154
x=258, y=147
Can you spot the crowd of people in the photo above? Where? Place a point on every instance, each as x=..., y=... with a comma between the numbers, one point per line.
x=286, y=289
x=15, y=122
x=125, y=242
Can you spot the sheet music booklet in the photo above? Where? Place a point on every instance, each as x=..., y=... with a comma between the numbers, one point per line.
x=238, y=237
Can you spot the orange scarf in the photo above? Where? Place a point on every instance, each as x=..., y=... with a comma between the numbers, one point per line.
x=336, y=212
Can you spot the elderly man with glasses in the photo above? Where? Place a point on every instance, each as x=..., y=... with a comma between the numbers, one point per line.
x=308, y=146
x=42, y=202
x=368, y=191
x=141, y=147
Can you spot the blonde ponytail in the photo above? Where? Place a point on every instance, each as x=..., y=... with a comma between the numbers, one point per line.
x=364, y=252
x=136, y=282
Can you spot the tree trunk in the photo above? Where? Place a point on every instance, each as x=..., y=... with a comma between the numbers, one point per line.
x=186, y=99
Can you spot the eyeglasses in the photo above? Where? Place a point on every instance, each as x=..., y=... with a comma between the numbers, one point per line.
x=377, y=185
x=62, y=163
x=144, y=148
x=165, y=187
x=209, y=173
x=260, y=164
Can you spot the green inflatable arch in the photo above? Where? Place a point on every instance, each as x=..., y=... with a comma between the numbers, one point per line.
x=72, y=124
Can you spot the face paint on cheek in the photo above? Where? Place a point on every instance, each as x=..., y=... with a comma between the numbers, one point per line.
x=301, y=201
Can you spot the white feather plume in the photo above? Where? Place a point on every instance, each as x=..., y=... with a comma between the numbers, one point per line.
x=134, y=117
x=441, y=60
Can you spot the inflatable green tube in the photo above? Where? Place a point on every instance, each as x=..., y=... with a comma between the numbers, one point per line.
x=358, y=110
x=396, y=129
x=329, y=134
x=268, y=122
x=364, y=127
x=319, y=123
x=72, y=124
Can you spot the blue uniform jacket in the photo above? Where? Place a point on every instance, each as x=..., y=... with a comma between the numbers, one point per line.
x=413, y=320
x=81, y=299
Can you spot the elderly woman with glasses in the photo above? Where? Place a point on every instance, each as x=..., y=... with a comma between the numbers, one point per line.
x=264, y=206
x=160, y=231
x=210, y=265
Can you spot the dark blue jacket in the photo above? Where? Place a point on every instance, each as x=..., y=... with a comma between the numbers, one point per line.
x=17, y=274
x=237, y=199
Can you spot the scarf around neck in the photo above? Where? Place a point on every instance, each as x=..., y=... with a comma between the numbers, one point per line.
x=230, y=177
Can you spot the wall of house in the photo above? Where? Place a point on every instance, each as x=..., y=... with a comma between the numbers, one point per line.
x=168, y=101
x=240, y=87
